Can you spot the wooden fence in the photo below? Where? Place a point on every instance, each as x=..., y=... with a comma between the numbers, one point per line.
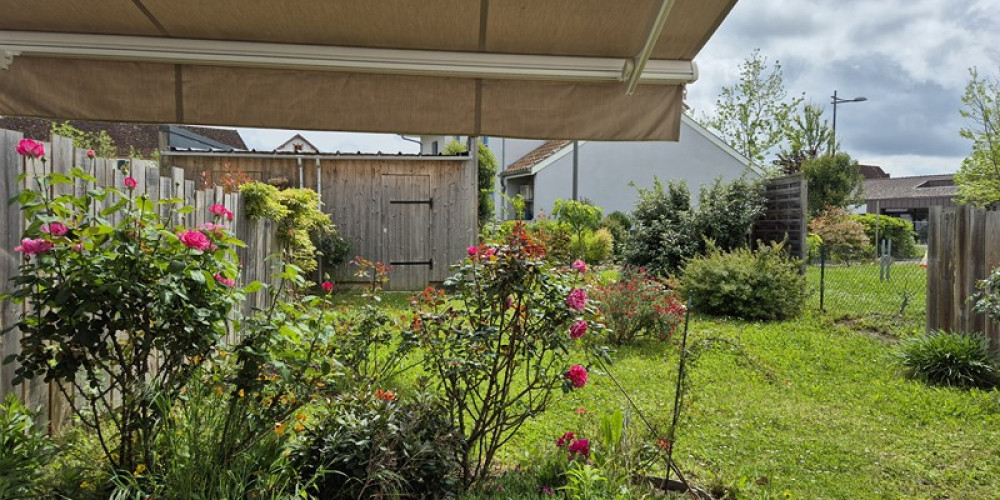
x=784, y=214
x=61, y=157
x=963, y=246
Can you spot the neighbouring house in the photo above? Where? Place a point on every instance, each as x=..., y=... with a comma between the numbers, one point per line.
x=910, y=198
x=609, y=172
x=298, y=144
x=414, y=212
x=873, y=172
x=137, y=138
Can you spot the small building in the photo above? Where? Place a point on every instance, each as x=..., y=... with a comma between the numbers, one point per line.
x=608, y=173
x=416, y=213
x=910, y=198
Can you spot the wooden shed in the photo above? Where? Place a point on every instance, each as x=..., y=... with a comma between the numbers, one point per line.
x=415, y=212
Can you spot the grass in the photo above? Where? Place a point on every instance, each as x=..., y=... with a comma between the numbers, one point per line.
x=807, y=408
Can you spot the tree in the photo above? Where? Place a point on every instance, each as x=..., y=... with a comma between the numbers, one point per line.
x=581, y=217
x=978, y=179
x=832, y=181
x=751, y=114
x=806, y=134
x=487, y=176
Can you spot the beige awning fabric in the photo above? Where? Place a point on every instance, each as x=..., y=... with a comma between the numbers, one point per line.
x=530, y=68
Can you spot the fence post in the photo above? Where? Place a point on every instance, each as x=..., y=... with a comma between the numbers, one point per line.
x=822, y=275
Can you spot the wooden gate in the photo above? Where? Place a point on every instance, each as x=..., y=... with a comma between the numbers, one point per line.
x=406, y=230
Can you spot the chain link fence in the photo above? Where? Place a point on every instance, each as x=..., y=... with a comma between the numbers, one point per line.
x=869, y=285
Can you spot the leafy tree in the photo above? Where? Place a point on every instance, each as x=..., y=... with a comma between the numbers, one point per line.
x=978, y=179
x=726, y=212
x=807, y=133
x=832, y=180
x=487, y=177
x=662, y=233
x=751, y=114
x=581, y=217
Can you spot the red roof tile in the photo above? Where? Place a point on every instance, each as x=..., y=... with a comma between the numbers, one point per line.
x=536, y=156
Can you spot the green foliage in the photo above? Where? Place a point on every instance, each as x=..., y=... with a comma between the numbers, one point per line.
x=301, y=223
x=582, y=217
x=497, y=363
x=663, y=234
x=832, y=180
x=618, y=224
x=667, y=231
x=987, y=299
x=487, y=177
x=844, y=238
x=813, y=244
x=115, y=297
x=978, y=179
x=949, y=359
x=762, y=284
x=899, y=231
x=597, y=246
x=726, y=212
x=751, y=114
x=555, y=237
x=24, y=449
x=639, y=305
x=807, y=135
x=375, y=446
x=98, y=140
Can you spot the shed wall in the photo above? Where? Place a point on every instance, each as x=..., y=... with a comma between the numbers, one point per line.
x=351, y=192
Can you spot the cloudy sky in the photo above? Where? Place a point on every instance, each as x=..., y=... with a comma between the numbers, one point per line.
x=910, y=58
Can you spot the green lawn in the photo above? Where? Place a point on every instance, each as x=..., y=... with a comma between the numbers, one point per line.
x=857, y=292
x=809, y=408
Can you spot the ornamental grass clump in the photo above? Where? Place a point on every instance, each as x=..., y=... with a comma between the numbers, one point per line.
x=111, y=300
x=949, y=359
x=497, y=345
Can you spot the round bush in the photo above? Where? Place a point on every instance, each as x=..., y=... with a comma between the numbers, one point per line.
x=949, y=359
x=898, y=231
x=763, y=284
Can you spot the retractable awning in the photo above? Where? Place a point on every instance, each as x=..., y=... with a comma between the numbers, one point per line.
x=554, y=69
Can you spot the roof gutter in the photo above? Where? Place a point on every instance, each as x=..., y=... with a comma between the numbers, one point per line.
x=338, y=58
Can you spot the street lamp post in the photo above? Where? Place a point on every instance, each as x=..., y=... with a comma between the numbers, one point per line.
x=835, y=102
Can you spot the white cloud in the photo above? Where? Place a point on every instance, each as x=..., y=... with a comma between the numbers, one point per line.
x=348, y=142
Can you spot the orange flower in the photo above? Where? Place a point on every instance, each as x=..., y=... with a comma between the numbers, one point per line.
x=279, y=429
x=385, y=395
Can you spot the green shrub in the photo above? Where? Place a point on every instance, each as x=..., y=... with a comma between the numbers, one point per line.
x=898, y=231
x=988, y=297
x=726, y=212
x=597, y=246
x=763, y=284
x=555, y=237
x=373, y=446
x=949, y=359
x=487, y=176
x=23, y=451
x=663, y=236
x=618, y=224
x=813, y=244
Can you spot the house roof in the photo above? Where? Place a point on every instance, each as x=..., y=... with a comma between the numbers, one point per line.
x=144, y=138
x=300, y=138
x=920, y=186
x=873, y=172
x=428, y=68
x=535, y=156
x=538, y=156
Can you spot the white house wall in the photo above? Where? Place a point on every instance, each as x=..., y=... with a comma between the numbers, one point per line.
x=607, y=168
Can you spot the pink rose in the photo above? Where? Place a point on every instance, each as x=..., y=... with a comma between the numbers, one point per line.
x=580, y=265
x=578, y=329
x=54, y=228
x=577, y=299
x=30, y=148
x=91, y=154
x=78, y=248
x=221, y=211
x=224, y=280
x=33, y=246
x=196, y=240
x=580, y=447
x=130, y=182
x=327, y=286
x=577, y=376
x=565, y=439
x=473, y=250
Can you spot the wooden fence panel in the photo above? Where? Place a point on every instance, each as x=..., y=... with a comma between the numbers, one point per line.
x=62, y=157
x=785, y=214
x=963, y=247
